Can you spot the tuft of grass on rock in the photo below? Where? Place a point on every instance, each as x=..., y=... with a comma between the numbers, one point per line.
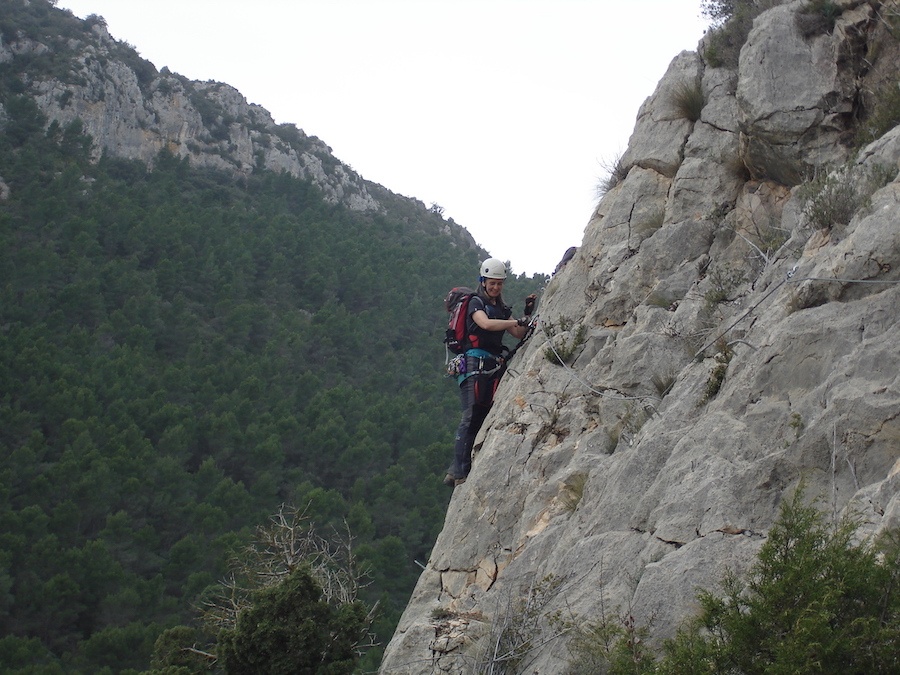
x=615, y=170
x=817, y=18
x=687, y=99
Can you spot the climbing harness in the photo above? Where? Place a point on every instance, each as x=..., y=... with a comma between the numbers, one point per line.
x=459, y=366
x=456, y=366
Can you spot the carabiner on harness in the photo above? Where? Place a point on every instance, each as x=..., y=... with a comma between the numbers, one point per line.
x=456, y=366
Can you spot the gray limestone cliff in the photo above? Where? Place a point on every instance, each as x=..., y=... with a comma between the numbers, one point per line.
x=133, y=111
x=729, y=327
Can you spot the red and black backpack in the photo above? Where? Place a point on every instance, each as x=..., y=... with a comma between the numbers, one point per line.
x=458, y=339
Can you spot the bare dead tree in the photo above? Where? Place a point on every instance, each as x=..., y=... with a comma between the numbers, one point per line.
x=289, y=541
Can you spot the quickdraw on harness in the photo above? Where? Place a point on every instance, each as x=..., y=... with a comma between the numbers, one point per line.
x=458, y=366
x=485, y=368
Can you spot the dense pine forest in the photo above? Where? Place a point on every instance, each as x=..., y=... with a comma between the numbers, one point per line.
x=183, y=353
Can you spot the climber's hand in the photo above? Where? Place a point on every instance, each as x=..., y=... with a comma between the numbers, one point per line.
x=529, y=304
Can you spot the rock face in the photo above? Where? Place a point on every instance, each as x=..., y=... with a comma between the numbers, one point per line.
x=726, y=333
x=133, y=111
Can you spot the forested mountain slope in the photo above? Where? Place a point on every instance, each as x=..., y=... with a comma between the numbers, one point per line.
x=188, y=344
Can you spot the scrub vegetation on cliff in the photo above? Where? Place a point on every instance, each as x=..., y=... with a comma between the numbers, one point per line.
x=816, y=600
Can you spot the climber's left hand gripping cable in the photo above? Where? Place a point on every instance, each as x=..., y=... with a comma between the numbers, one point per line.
x=531, y=324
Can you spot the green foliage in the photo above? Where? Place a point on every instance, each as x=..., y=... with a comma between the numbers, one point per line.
x=732, y=21
x=615, y=171
x=796, y=424
x=724, y=281
x=287, y=543
x=662, y=300
x=832, y=198
x=519, y=628
x=573, y=491
x=723, y=47
x=884, y=114
x=562, y=350
x=645, y=226
x=663, y=382
x=181, y=353
x=213, y=114
x=769, y=162
x=176, y=648
x=613, y=643
x=144, y=70
x=719, y=11
x=290, y=629
x=817, y=17
x=687, y=99
x=613, y=646
x=631, y=421
x=814, y=602
x=717, y=375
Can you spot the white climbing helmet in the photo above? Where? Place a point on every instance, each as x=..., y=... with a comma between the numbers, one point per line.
x=492, y=268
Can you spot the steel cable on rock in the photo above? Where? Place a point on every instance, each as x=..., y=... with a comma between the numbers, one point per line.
x=789, y=278
x=573, y=375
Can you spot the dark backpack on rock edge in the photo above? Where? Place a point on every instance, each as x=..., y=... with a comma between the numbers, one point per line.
x=458, y=339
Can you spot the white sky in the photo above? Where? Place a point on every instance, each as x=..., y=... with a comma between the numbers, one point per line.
x=504, y=112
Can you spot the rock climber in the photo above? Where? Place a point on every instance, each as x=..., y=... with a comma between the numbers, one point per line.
x=489, y=318
x=567, y=256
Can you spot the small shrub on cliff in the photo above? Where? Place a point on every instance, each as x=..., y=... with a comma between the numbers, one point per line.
x=615, y=171
x=650, y=223
x=663, y=382
x=766, y=161
x=814, y=602
x=573, y=491
x=817, y=18
x=717, y=375
x=520, y=627
x=562, y=352
x=613, y=646
x=688, y=100
x=884, y=115
x=724, y=281
x=833, y=198
x=731, y=23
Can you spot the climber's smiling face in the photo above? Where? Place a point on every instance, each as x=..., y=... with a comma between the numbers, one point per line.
x=493, y=288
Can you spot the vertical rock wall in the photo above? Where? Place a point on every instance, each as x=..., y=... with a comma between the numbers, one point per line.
x=730, y=341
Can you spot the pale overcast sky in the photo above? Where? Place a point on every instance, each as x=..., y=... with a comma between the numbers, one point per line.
x=504, y=112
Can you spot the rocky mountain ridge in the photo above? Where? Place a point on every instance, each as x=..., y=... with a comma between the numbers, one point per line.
x=727, y=330
x=133, y=111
